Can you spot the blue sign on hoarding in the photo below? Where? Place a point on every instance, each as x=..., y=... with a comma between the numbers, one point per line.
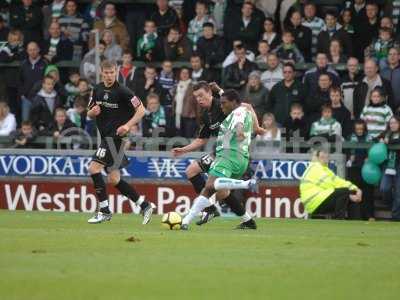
x=140, y=167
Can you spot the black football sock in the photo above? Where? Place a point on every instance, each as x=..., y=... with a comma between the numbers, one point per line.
x=101, y=192
x=128, y=191
x=235, y=205
x=198, y=183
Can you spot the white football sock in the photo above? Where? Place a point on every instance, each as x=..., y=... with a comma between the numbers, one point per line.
x=230, y=184
x=246, y=217
x=103, y=204
x=200, y=203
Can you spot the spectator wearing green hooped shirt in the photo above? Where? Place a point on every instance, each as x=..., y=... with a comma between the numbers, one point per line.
x=377, y=113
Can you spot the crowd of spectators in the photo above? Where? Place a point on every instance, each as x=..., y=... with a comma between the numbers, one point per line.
x=254, y=46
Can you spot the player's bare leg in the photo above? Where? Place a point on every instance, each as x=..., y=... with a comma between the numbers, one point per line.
x=104, y=213
x=114, y=177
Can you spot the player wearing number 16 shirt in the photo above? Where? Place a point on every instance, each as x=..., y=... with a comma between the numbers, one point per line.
x=116, y=109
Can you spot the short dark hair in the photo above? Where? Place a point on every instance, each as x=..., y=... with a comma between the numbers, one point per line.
x=108, y=64
x=48, y=77
x=290, y=65
x=26, y=123
x=296, y=105
x=331, y=12
x=83, y=80
x=80, y=102
x=232, y=95
x=326, y=106
x=208, y=24
x=335, y=89
x=201, y=85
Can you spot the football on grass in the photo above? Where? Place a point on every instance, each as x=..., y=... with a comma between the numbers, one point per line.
x=171, y=220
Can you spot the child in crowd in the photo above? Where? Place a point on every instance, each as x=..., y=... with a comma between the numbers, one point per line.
x=72, y=88
x=390, y=183
x=273, y=133
x=379, y=49
x=60, y=124
x=148, y=42
x=263, y=50
x=155, y=115
x=167, y=77
x=377, y=113
x=77, y=113
x=296, y=125
x=25, y=137
x=84, y=89
x=288, y=51
x=364, y=210
x=327, y=126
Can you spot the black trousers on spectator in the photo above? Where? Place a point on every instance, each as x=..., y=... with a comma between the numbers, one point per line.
x=365, y=209
x=336, y=203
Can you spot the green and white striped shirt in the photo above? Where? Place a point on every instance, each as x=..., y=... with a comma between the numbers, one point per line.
x=326, y=126
x=377, y=118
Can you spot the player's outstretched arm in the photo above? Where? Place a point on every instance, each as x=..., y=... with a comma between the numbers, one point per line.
x=139, y=113
x=194, y=145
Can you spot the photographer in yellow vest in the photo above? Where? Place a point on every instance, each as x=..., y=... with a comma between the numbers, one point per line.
x=323, y=192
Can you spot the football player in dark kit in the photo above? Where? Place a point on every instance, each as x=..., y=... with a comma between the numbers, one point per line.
x=116, y=109
x=211, y=120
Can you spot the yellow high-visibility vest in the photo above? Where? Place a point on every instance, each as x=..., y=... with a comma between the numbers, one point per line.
x=318, y=183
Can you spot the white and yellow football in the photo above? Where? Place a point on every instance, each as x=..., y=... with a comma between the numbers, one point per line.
x=171, y=220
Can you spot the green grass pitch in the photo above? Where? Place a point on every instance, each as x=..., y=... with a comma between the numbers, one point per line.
x=60, y=256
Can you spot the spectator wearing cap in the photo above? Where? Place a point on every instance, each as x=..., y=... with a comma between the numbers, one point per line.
x=302, y=35
x=111, y=22
x=247, y=27
x=274, y=73
x=165, y=17
x=53, y=72
x=333, y=30
x=311, y=76
x=28, y=18
x=210, y=46
x=31, y=71
x=285, y=93
x=236, y=74
x=350, y=80
x=316, y=24
x=256, y=94
x=371, y=80
x=392, y=73
x=57, y=47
